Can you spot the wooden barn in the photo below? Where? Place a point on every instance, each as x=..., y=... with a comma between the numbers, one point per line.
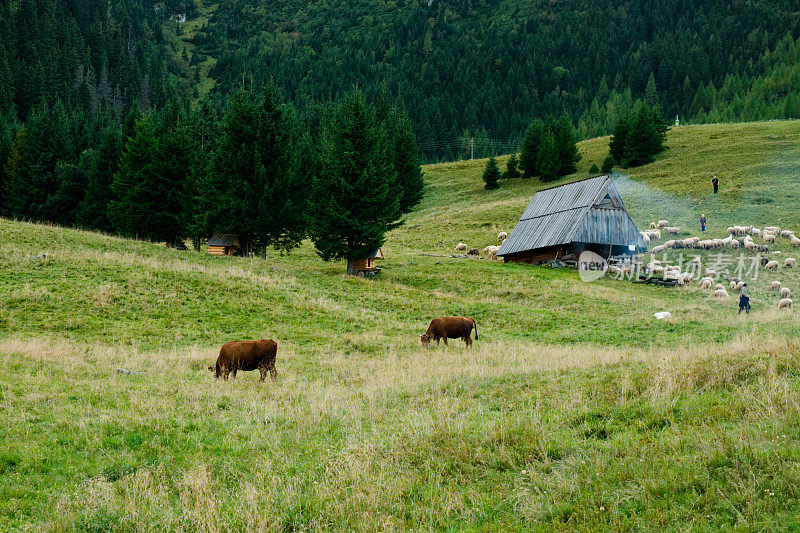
x=225, y=244
x=367, y=264
x=560, y=222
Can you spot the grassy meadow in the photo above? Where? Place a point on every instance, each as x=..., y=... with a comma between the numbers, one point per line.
x=575, y=410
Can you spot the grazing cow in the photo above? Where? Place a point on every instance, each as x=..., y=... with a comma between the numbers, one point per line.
x=245, y=356
x=450, y=327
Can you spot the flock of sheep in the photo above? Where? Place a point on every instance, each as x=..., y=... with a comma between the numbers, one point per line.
x=738, y=236
x=490, y=251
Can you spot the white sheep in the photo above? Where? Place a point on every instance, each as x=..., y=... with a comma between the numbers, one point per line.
x=756, y=232
x=795, y=241
x=720, y=293
x=771, y=265
x=653, y=234
x=461, y=247
x=662, y=224
x=790, y=262
x=696, y=261
x=711, y=273
x=738, y=286
x=772, y=229
x=658, y=249
x=502, y=236
x=670, y=244
x=645, y=237
x=785, y=302
x=653, y=225
x=735, y=244
x=786, y=233
x=775, y=285
x=785, y=292
x=732, y=284
x=769, y=237
x=705, y=283
x=731, y=230
x=493, y=251
x=672, y=229
x=749, y=244
x=719, y=287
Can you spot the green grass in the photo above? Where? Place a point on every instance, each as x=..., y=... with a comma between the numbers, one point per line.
x=575, y=410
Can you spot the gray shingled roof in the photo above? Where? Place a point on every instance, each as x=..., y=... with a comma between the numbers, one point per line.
x=225, y=239
x=589, y=210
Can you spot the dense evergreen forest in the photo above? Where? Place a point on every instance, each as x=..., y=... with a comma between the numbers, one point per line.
x=85, y=84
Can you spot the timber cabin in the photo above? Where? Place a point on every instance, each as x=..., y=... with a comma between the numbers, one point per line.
x=224, y=244
x=561, y=222
x=367, y=264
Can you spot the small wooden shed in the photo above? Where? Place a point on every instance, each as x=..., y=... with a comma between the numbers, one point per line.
x=367, y=264
x=224, y=244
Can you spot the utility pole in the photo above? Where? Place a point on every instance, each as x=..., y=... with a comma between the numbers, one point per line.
x=472, y=147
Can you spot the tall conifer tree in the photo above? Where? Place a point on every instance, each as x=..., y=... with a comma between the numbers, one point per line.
x=355, y=197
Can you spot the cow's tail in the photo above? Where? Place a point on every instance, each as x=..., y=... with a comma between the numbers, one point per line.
x=476, y=328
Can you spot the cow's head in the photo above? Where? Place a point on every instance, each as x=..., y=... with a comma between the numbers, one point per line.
x=425, y=338
x=214, y=370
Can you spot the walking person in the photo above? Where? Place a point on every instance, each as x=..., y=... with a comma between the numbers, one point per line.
x=715, y=183
x=703, y=223
x=744, y=300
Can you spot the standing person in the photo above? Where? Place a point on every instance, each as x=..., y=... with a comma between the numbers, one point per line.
x=703, y=223
x=715, y=182
x=744, y=300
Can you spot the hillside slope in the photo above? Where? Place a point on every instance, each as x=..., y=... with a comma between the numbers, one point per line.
x=575, y=409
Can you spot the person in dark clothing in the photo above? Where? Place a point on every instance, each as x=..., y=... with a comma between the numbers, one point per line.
x=744, y=300
x=703, y=223
x=715, y=182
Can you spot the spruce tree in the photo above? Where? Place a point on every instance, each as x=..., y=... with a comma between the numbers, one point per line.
x=548, y=161
x=355, y=197
x=93, y=210
x=568, y=155
x=529, y=151
x=131, y=207
x=260, y=194
x=617, y=146
x=511, y=167
x=608, y=164
x=8, y=172
x=405, y=158
x=491, y=174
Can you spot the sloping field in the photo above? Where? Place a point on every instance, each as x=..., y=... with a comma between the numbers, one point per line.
x=575, y=410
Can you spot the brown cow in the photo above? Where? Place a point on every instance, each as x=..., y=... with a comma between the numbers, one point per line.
x=247, y=355
x=450, y=327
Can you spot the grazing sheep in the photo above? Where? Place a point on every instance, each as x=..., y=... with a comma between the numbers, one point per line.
x=735, y=244
x=645, y=237
x=672, y=229
x=772, y=229
x=790, y=262
x=688, y=243
x=486, y=250
x=653, y=234
x=771, y=265
x=775, y=285
x=493, y=251
x=696, y=261
x=795, y=241
x=732, y=284
x=720, y=293
x=711, y=273
x=502, y=236
x=785, y=292
x=731, y=230
x=705, y=283
x=461, y=247
x=662, y=224
x=756, y=232
x=785, y=302
x=670, y=244
x=749, y=244
x=738, y=286
x=786, y=233
x=614, y=270
x=474, y=251
x=719, y=287
x=658, y=249
x=769, y=237
x=653, y=225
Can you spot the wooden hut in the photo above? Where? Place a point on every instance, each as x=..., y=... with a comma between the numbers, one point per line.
x=367, y=264
x=560, y=222
x=224, y=244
